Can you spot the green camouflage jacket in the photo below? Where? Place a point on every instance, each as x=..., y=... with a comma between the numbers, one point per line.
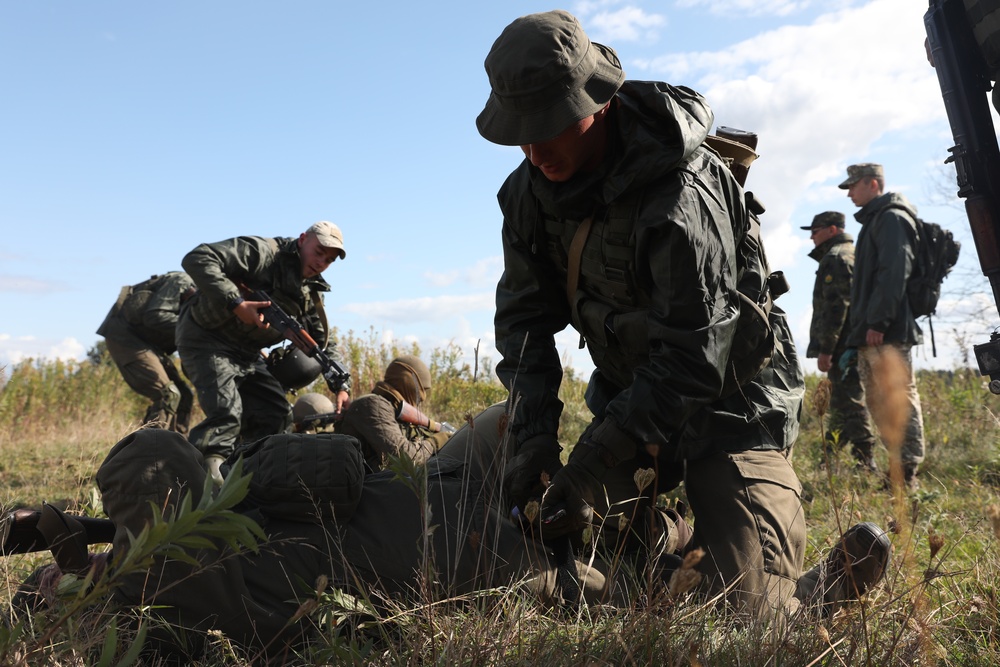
x=272, y=265
x=657, y=302
x=831, y=295
x=145, y=315
x=883, y=261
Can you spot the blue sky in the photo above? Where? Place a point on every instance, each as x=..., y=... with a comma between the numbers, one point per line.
x=131, y=132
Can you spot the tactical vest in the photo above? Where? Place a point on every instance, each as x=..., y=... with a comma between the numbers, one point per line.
x=610, y=305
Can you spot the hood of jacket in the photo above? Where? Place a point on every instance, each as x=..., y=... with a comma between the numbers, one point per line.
x=653, y=127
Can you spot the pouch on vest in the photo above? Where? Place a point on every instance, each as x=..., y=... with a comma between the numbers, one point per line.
x=304, y=476
x=133, y=305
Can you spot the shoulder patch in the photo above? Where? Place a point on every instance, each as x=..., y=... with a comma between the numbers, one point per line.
x=828, y=279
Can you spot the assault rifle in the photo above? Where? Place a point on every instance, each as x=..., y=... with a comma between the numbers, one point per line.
x=25, y=531
x=407, y=414
x=336, y=376
x=965, y=81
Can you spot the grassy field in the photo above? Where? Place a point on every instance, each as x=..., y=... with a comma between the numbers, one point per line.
x=938, y=606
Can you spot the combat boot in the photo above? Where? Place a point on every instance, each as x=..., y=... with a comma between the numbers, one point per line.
x=854, y=566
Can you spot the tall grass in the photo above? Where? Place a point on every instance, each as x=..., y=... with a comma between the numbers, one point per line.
x=940, y=603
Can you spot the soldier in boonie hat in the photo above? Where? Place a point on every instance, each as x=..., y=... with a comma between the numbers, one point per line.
x=864, y=170
x=826, y=219
x=545, y=75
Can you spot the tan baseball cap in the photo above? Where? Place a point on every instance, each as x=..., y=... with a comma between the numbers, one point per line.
x=329, y=236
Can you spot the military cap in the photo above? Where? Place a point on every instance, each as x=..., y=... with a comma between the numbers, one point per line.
x=858, y=171
x=329, y=236
x=826, y=219
x=545, y=74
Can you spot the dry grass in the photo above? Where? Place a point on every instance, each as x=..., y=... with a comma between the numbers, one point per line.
x=939, y=605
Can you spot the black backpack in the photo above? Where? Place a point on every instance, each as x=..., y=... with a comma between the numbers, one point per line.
x=935, y=255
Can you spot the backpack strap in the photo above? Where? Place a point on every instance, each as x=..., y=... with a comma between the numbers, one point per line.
x=573, y=264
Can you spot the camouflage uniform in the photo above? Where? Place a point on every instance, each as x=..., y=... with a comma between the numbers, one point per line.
x=139, y=334
x=238, y=394
x=372, y=420
x=884, y=261
x=657, y=306
x=848, y=420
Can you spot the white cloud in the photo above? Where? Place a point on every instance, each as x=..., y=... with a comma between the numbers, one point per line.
x=484, y=273
x=15, y=349
x=758, y=7
x=27, y=285
x=628, y=24
x=424, y=309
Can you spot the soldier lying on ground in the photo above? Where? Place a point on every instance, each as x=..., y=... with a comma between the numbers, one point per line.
x=364, y=534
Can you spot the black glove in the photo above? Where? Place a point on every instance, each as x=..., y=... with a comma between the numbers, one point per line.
x=522, y=476
x=567, y=506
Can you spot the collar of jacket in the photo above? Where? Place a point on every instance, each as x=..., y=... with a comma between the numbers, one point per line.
x=826, y=246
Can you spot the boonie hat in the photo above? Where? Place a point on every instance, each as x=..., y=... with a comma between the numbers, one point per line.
x=826, y=219
x=545, y=75
x=329, y=236
x=858, y=171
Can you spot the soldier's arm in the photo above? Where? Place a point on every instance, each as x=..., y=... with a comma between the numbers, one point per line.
x=218, y=268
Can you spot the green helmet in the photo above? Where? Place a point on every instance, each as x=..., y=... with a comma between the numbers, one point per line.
x=311, y=404
x=293, y=368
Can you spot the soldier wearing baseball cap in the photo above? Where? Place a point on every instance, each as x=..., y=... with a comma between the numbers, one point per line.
x=826, y=219
x=881, y=315
x=847, y=417
x=220, y=334
x=856, y=172
x=620, y=222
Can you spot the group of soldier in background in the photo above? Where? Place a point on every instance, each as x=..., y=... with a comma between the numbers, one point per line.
x=860, y=306
x=222, y=342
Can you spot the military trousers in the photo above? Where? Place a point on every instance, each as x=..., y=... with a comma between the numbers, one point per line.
x=156, y=377
x=241, y=400
x=748, y=520
x=848, y=421
x=893, y=401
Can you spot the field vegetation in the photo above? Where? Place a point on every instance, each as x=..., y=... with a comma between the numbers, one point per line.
x=940, y=604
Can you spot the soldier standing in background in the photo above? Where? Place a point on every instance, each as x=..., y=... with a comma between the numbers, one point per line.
x=220, y=335
x=848, y=416
x=881, y=315
x=139, y=334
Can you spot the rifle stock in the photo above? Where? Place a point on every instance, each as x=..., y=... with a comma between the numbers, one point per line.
x=335, y=375
x=965, y=83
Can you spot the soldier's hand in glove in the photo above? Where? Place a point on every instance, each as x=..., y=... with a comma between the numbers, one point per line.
x=568, y=503
x=523, y=474
x=567, y=506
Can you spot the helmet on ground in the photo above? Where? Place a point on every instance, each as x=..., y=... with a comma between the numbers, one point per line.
x=311, y=404
x=410, y=377
x=293, y=368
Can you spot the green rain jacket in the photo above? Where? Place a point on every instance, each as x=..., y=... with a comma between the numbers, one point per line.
x=657, y=301
x=883, y=263
x=272, y=265
x=831, y=295
x=145, y=315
